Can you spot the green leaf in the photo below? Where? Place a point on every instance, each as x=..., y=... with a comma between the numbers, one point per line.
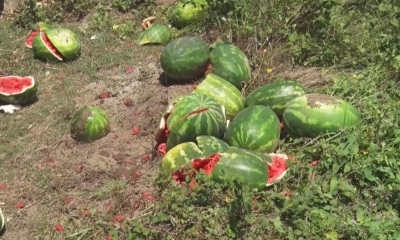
x=347, y=168
x=278, y=224
x=335, y=168
x=334, y=186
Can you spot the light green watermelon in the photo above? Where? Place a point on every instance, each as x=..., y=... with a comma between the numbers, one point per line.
x=223, y=92
x=276, y=95
x=231, y=64
x=90, y=123
x=157, y=33
x=17, y=90
x=185, y=59
x=314, y=114
x=56, y=44
x=191, y=116
x=254, y=128
x=187, y=12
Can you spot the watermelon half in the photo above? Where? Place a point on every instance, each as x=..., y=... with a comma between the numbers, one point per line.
x=90, y=123
x=189, y=117
x=314, y=114
x=156, y=34
x=56, y=44
x=252, y=168
x=41, y=27
x=17, y=90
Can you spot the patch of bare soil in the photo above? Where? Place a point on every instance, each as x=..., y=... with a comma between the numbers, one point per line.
x=308, y=76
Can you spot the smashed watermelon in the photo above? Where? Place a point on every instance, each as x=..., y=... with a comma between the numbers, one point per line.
x=17, y=90
x=32, y=34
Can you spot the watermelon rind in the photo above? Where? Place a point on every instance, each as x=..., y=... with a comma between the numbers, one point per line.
x=225, y=93
x=156, y=34
x=231, y=64
x=276, y=95
x=211, y=145
x=195, y=115
x=42, y=26
x=254, y=128
x=247, y=166
x=187, y=12
x=314, y=114
x=270, y=163
x=42, y=51
x=185, y=58
x=24, y=97
x=178, y=156
x=89, y=124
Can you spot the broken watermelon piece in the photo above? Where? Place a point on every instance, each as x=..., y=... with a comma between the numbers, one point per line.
x=277, y=168
x=56, y=44
x=17, y=90
x=42, y=26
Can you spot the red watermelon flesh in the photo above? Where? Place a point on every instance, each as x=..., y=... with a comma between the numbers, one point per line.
x=29, y=39
x=50, y=45
x=276, y=170
x=12, y=85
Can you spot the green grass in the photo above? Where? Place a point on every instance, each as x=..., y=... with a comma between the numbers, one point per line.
x=355, y=189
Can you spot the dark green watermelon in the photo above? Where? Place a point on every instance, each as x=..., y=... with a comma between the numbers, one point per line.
x=254, y=128
x=185, y=58
x=314, y=114
x=276, y=95
x=231, y=64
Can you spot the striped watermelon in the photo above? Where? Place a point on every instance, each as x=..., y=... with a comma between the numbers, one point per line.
x=254, y=128
x=90, y=123
x=157, y=33
x=185, y=58
x=211, y=145
x=192, y=115
x=187, y=12
x=17, y=90
x=223, y=92
x=252, y=168
x=313, y=114
x=231, y=64
x=276, y=95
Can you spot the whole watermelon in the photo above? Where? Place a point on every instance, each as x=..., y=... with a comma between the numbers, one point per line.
x=223, y=92
x=231, y=64
x=194, y=115
x=90, y=123
x=314, y=114
x=187, y=12
x=276, y=95
x=185, y=58
x=254, y=128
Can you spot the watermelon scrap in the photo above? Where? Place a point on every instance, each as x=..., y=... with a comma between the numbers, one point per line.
x=31, y=36
x=278, y=168
x=50, y=46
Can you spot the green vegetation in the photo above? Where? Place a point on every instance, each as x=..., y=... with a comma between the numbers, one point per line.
x=354, y=190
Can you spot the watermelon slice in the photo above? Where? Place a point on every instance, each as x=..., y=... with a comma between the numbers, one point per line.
x=32, y=34
x=17, y=90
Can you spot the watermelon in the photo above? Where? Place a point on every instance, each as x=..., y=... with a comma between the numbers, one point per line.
x=90, y=123
x=2, y=222
x=313, y=114
x=42, y=26
x=192, y=115
x=231, y=64
x=223, y=92
x=57, y=44
x=157, y=33
x=185, y=58
x=187, y=12
x=254, y=128
x=252, y=168
x=17, y=90
x=276, y=95
x=211, y=145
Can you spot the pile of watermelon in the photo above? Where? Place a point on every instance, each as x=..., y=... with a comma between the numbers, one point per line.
x=217, y=130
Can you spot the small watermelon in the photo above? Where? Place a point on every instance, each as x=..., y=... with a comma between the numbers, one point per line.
x=231, y=64
x=56, y=44
x=276, y=95
x=223, y=92
x=42, y=26
x=90, y=123
x=17, y=90
x=314, y=114
x=252, y=168
x=157, y=33
x=189, y=117
x=187, y=12
x=254, y=128
x=185, y=58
